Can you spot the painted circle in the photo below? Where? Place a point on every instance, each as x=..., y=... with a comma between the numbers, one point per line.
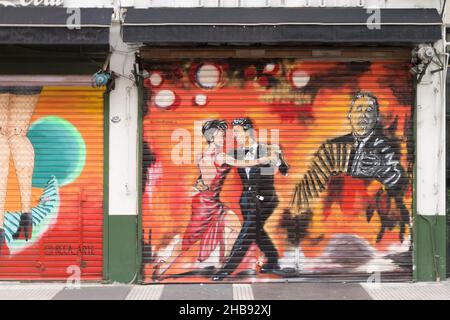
x=269, y=68
x=156, y=79
x=59, y=150
x=299, y=78
x=208, y=76
x=164, y=99
x=201, y=100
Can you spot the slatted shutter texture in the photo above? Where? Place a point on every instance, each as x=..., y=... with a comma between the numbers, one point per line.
x=343, y=210
x=66, y=132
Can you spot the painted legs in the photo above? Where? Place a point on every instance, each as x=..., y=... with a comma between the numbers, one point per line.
x=4, y=153
x=232, y=224
x=15, y=115
x=21, y=110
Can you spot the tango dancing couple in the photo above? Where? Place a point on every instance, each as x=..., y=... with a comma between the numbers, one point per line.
x=256, y=165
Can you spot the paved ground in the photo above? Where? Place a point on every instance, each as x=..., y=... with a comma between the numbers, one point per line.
x=258, y=291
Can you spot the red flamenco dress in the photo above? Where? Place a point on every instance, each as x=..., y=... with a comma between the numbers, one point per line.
x=207, y=221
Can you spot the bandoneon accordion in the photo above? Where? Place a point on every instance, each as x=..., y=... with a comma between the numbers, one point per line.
x=332, y=158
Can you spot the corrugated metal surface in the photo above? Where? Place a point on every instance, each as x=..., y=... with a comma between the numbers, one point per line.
x=341, y=213
x=63, y=128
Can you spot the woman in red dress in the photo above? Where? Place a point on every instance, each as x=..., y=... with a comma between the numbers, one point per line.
x=208, y=220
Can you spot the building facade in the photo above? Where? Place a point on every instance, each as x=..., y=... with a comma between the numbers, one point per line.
x=233, y=141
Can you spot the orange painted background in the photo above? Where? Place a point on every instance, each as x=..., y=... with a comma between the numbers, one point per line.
x=307, y=111
x=75, y=237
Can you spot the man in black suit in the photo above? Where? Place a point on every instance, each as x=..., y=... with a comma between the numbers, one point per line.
x=258, y=200
x=373, y=156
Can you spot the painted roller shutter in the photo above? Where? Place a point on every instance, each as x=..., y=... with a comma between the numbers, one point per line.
x=342, y=211
x=66, y=135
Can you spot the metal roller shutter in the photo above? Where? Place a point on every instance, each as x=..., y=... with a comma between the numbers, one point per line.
x=55, y=136
x=341, y=212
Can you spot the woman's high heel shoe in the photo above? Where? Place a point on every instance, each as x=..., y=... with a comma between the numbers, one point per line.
x=24, y=226
x=157, y=274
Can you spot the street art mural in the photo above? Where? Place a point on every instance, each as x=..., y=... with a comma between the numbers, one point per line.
x=271, y=169
x=50, y=182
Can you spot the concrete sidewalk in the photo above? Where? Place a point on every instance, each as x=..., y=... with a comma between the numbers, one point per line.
x=257, y=291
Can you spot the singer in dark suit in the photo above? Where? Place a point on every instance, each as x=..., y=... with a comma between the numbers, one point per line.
x=258, y=200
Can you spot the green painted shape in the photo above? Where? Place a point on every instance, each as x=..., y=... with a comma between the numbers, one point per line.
x=123, y=259
x=448, y=232
x=59, y=149
x=430, y=247
x=429, y=232
x=141, y=102
x=448, y=241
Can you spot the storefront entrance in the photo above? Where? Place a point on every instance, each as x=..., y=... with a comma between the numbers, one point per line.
x=295, y=164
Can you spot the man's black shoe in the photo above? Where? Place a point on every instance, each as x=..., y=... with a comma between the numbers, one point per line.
x=270, y=267
x=220, y=276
